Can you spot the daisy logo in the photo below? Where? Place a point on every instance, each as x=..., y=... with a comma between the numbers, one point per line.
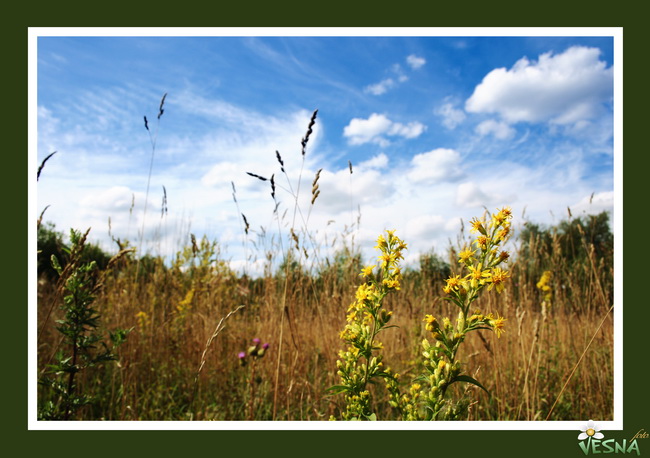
x=592, y=441
x=590, y=430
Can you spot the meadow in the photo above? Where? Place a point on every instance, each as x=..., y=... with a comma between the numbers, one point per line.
x=133, y=337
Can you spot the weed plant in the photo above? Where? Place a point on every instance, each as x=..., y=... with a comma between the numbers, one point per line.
x=62, y=395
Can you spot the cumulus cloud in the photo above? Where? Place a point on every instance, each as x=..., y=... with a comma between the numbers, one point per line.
x=377, y=127
x=498, y=129
x=115, y=198
x=471, y=195
x=436, y=166
x=340, y=191
x=451, y=116
x=557, y=88
x=415, y=62
x=424, y=225
x=379, y=161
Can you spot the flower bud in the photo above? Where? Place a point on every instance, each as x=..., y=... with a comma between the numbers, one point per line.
x=262, y=350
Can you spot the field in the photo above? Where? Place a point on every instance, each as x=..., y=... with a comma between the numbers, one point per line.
x=190, y=322
x=479, y=334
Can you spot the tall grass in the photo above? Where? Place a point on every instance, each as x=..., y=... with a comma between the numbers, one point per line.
x=192, y=318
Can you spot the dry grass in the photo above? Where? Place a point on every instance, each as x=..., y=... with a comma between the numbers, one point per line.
x=173, y=312
x=176, y=365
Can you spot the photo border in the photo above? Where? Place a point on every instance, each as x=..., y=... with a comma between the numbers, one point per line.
x=300, y=443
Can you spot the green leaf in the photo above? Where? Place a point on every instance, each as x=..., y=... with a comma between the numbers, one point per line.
x=477, y=329
x=336, y=389
x=372, y=417
x=468, y=379
x=56, y=265
x=454, y=300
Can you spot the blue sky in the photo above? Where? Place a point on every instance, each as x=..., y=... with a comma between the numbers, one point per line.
x=436, y=129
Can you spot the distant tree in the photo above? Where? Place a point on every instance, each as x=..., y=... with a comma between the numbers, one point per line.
x=433, y=267
x=51, y=242
x=572, y=238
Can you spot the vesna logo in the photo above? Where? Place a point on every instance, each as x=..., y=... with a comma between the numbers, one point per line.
x=592, y=441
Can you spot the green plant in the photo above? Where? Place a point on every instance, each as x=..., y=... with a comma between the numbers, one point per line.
x=79, y=284
x=361, y=364
x=428, y=397
x=442, y=367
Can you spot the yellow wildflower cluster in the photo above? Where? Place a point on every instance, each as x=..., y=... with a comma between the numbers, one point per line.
x=184, y=307
x=143, y=320
x=482, y=264
x=366, y=317
x=545, y=285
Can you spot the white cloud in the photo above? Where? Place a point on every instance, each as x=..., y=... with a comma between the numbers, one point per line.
x=377, y=127
x=400, y=77
x=594, y=204
x=115, y=198
x=381, y=87
x=436, y=166
x=422, y=197
x=557, y=88
x=411, y=130
x=360, y=131
x=451, y=116
x=379, y=161
x=341, y=192
x=471, y=195
x=498, y=129
x=424, y=225
x=415, y=62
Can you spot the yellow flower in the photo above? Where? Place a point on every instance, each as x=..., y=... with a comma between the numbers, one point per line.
x=453, y=283
x=497, y=279
x=388, y=259
x=477, y=226
x=367, y=271
x=503, y=233
x=476, y=276
x=497, y=325
x=363, y=292
x=381, y=243
x=481, y=241
x=466, y=256
x=502, y=216
x=506, y=212
x=391, y=283
x=545, y=280
x=432, y=323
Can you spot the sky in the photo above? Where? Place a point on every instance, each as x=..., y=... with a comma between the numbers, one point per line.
x=417, y=133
